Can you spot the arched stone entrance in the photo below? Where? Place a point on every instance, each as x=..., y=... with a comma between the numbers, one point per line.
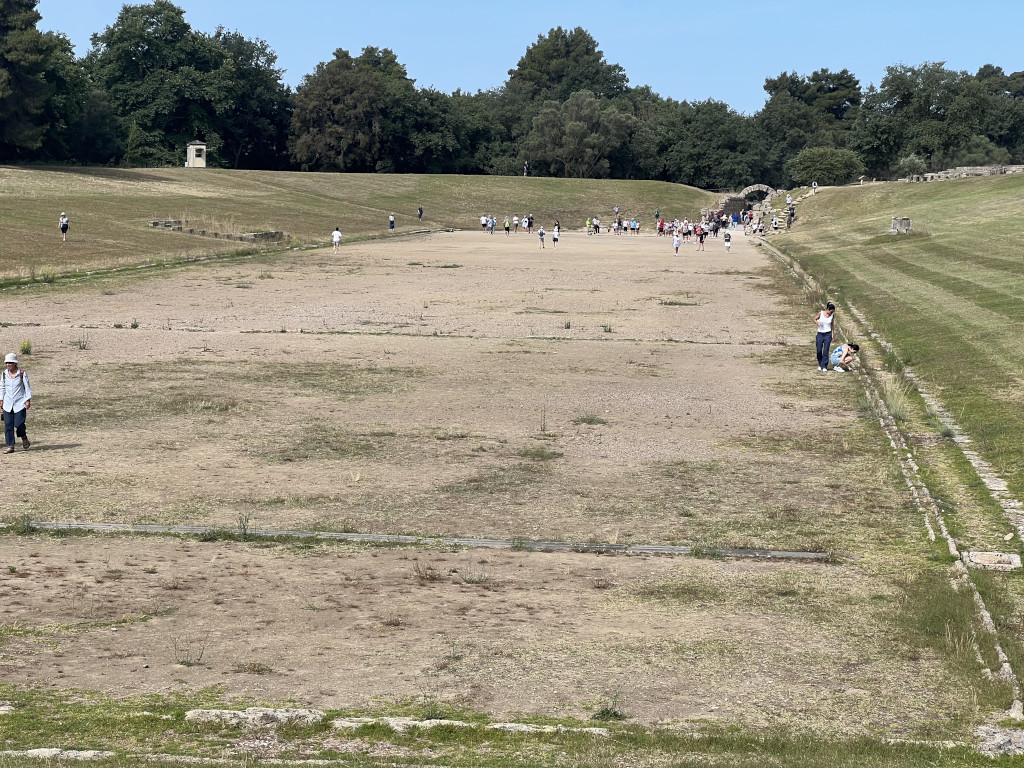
x=769, y=192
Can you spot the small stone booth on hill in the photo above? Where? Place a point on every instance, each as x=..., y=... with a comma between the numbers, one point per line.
x=195, y=154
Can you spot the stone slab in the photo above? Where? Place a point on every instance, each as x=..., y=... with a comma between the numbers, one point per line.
x=992, y=561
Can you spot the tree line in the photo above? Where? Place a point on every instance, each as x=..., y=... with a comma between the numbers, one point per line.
x=150, y=84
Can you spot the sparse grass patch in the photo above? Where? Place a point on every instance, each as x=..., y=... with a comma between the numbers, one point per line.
x=25, y=348
x=609, y=709
x=189, y=650
x=896, y=393
x=539, y=453
x=686, y=590
x=501, y=480
x=589, y=418
x=427, y=572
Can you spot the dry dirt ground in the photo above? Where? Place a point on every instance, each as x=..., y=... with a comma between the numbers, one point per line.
x=472, y=385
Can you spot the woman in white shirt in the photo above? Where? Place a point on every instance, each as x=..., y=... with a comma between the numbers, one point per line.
x=823, y=340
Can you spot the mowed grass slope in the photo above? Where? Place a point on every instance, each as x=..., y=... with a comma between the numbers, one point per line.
x=110, y=209
x=948, y=297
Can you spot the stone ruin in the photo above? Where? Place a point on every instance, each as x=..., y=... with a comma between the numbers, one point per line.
x=178, y=225
x=900, y=226
x=967, y=171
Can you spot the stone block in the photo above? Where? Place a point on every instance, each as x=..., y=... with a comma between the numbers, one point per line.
x=992, y=561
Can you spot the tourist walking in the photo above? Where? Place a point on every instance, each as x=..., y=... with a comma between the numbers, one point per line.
x=508, y=226
x=540, y=235
x=15, y=400
x=336, y=238
x=515, y=225
x=823, y=340
x=554, y=234
x=419, y=213
x=64, y=223
x=391, y=223
x=727, y=237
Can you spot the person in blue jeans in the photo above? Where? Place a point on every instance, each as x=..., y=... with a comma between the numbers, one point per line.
x=823, y=341
x=15, y=400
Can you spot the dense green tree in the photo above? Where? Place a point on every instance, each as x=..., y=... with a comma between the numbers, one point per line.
x=710, y=145
x=825, y=165
x=25, y=54
x=559, y=64
x=911, y=165
x=356, y=114
x=562, y=63
x=169, y=85
x=789, y=125
x=254, y=123
x=575, y=137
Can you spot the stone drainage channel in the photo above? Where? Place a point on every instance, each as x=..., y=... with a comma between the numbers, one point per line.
x=994, y=740
x=384, y=538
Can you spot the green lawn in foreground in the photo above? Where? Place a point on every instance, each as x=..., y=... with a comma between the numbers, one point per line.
x=948, y=297
x=110, y=209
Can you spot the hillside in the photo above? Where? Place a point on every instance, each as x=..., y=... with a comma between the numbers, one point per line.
x=110, y=209
x=948, y=296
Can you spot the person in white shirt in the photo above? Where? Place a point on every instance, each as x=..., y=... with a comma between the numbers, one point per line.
x=515, y=224
x=483, y=223
x=540, y=235
x=336, y=238
x=554, y=234
x=15, y=400
x=823, y=339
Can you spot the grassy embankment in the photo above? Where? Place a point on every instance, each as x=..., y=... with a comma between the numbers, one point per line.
x=948, y=297
x=111, y=209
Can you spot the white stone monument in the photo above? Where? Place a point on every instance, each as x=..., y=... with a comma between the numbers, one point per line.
x=195, y=154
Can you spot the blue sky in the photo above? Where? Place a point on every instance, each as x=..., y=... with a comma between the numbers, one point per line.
x=682, y=50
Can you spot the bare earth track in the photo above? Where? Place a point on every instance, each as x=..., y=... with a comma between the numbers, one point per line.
x=462, y=385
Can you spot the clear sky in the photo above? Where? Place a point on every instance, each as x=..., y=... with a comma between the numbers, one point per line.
x=682, y=50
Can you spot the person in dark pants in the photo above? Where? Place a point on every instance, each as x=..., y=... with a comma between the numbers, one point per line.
x=15, y=400
x=419, y=213
x=823, y=341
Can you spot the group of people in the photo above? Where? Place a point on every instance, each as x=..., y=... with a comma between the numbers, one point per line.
x=511, y=225
x=699, y=234
x=843, y=355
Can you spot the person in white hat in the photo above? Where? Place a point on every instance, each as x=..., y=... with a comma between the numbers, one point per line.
x=64, y=223
x=15, y=400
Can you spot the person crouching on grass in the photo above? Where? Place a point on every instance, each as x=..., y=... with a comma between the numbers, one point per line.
x=842, y=356
x=15, y=400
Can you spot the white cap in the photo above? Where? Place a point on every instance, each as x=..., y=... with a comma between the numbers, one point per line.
x=11, y=358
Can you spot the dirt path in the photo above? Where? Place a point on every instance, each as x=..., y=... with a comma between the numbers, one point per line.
x=408, y=384
x=456, y=385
